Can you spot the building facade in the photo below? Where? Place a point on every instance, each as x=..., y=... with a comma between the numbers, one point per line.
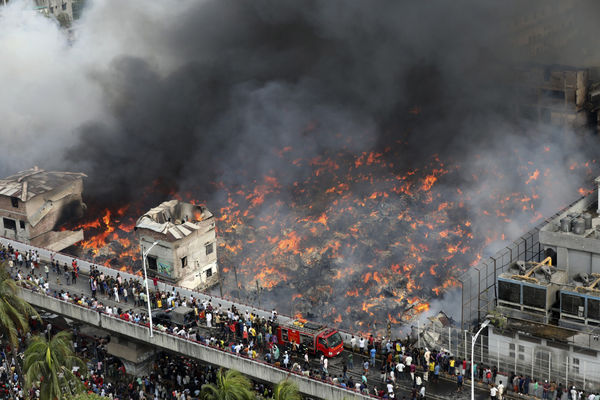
x=186, y=249
x=551, y=307
x=34, y=202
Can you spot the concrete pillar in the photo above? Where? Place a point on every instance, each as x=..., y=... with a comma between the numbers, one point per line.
x=136, y=357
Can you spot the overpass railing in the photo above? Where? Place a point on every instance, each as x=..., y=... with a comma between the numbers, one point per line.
x=189, y=347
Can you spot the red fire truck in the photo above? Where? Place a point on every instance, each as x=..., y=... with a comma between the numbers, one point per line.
x=315, y=338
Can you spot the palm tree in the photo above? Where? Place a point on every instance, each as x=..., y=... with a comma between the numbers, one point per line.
x=14, y=311
x=286, y=390
x=48, y=365
x=231, y=385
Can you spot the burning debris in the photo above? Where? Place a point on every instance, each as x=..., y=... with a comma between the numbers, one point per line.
x=185, y=251
x=35, y=202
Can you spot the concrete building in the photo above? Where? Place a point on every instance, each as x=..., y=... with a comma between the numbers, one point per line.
x=186, y=252
x=553, y=85
x=552, y=307
x=34, y=202
x=556, y=95
x=62, y=10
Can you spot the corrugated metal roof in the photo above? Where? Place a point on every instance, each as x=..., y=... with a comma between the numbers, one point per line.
x=34, y=181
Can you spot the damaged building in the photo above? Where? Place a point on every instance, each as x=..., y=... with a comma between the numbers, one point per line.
x=34, y=202
x=186, y=252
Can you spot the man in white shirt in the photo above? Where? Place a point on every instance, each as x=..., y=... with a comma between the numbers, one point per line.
x=493, y=392
x=500, y=390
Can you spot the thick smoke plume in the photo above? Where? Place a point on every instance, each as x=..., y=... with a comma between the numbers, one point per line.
x=194, y=96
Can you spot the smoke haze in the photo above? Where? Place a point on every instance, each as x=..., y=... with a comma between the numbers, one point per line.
x=202, y=95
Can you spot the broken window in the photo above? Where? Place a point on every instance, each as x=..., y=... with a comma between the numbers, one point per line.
x=183, y=262
x=209, y=272
x=152, y=263
x=10, y=224
x=15, y=202
x=22, y=224
x=209, y=248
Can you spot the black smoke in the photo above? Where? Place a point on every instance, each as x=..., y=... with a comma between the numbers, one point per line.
x=255, y=74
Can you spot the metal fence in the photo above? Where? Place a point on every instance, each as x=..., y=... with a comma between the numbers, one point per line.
x=538, y=362
x=478, y=284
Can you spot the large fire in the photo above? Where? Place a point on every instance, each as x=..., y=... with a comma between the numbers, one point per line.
x=358, y=242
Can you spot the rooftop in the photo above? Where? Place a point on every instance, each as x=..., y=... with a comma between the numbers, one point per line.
x=174, y=219
x=35, y=181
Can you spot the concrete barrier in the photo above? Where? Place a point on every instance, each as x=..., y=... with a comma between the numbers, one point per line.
x=189, y=348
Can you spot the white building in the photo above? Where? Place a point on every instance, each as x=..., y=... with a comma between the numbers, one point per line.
x=186, y=252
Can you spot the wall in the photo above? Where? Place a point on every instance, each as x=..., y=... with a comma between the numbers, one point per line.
x=193, y=247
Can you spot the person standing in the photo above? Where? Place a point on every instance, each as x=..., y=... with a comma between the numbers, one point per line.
x=493, y=392
x=116, y=293
x=500, y=391
x=373, y=353
x=459, y=383
x=47, y=270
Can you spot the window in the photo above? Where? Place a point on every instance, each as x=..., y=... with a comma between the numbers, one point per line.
x=64, y=6
x=183, y=262
x=15, y=202
x=209, y=248
x=575, y=365
x=284, y=335
x=22, y=224
x=542, y=359
x=511, y=348
x=152, y=263
x=209, y=272
x=10, y=224
x=521, y=349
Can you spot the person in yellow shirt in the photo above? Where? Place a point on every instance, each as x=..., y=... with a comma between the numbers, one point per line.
x=451, y=370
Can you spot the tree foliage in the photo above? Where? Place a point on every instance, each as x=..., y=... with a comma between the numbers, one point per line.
x=48, y=365
x=231, y=385
x=286, y=390
x=14, y=311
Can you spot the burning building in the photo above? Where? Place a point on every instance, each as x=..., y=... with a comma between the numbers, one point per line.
x=186, y=252
x=34, y=202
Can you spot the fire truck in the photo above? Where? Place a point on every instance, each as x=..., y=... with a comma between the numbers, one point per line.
x=311, y=337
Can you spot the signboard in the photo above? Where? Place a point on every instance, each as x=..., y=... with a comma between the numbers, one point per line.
x=165, y=269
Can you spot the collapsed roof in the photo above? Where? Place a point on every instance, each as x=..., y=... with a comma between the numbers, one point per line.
x=35, y=181
x=174, y=219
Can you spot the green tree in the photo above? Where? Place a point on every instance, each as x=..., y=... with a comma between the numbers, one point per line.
x=48, y=365
x=231, y=385
x=14, y=311
x=286, y=390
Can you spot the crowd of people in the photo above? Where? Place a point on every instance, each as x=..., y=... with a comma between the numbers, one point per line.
x=381, y=368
